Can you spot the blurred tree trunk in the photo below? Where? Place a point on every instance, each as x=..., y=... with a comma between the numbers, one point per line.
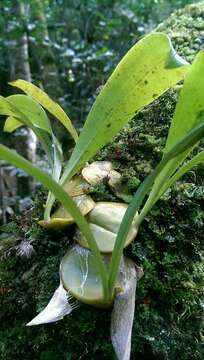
x=44, y=56
x=43, y=52
x=18, y=54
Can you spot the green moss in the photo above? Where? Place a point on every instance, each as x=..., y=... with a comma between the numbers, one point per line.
x=186, y=29
x=169, y=312
x=169, y=306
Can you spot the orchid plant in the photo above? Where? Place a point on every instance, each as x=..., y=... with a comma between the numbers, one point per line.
x=94, y=271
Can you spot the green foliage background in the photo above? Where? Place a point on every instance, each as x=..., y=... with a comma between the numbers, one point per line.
x=83, y=42
x=170, y=299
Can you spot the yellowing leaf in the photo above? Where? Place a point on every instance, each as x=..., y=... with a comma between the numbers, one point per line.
x=62, y=218
x=50, y=105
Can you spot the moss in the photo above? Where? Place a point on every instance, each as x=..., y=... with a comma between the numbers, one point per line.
x=186, y=29
x=169, y=313
x=169, y=306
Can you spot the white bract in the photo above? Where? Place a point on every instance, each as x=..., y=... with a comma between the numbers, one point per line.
x=55, y=310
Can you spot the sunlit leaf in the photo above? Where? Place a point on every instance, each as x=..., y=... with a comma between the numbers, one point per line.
x=6, y=108
x=13, y=108
x=190, y=106
x=32, y=110
x=188, y=114
x=11, y=124
x=42, y=98
x=146, y=71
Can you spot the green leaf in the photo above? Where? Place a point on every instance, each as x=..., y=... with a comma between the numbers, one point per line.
x=37, y=120
x=11, y=124
x=188, y=114
x=147, y=70
x=57, y=161
x=41, y=97
x=190, y=106
x=8, y=108
x=35, y=113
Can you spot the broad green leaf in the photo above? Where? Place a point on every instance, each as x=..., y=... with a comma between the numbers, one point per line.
x=11, y=124
x=189, y=113
x=34, y=112
x=15, y=110
x=147, y=70
x=43, y=99
x=39, y=122
x=5, y=108
x=38, y=118
x=189, y=110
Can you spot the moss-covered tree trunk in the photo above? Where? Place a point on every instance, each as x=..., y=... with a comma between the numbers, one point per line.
x=170, y=247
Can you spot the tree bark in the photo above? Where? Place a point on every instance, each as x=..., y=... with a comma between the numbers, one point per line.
x=43, y=52
x=26, y=142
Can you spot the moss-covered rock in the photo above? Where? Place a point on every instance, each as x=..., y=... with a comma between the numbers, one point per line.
x=170, y=297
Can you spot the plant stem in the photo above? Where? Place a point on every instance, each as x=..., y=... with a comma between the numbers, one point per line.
x=51, y=199
x=124, y=229
x=153, y=197
x=66, y=201
x=189, y=140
